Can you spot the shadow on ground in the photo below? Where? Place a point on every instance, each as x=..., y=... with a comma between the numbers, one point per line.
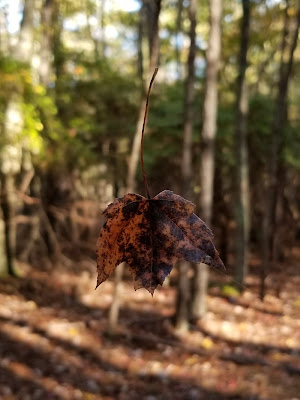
x=59, y=349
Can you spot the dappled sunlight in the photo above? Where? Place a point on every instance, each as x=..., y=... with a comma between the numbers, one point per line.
x=54, y=341
x=26, y=378
x=237, y=323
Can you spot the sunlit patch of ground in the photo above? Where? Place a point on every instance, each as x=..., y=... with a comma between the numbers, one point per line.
x=53, y=343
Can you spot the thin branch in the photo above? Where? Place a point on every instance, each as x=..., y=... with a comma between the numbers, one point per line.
x=143, y=129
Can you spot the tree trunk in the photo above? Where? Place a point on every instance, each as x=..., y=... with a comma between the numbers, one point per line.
x=100, y=42
x=183, y=300
x=23, y=52
x=48, y=13
x=10, y=164
x=116, y=300
x=135, y=150
x=8, y=200
x=153, y=10
x=183, y=293
x=3, y=260
x=178, y=31
x=242, y=169
x=4, y=34
x=280, y=117
x=209, y=128
x=140, y=61
x=186, y=169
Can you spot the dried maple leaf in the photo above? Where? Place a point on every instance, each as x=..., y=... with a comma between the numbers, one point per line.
x=150, y=234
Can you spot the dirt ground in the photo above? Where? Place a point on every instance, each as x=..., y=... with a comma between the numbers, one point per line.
x=54, y=345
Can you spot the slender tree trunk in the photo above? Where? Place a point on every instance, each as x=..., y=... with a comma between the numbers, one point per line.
x=116, y=300
x=23, y=52
x=276, y=251
x=178, y=31
x=280, y=117
x=153, y=10
x=183, y=293
x=140, y=61
x=10, y=165
x=221, y=197
x=3, y=260
x=186, y=169
x=135, y=150
x=209, y=128
x=183, y=300
x=100, y=42
x=8, y=200
x=242, y=169
x=48, y=13
x=4, y=35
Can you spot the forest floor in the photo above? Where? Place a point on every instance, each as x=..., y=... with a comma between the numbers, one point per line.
x=54, y=345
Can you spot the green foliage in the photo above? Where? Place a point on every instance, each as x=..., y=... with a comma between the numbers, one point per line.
x=259, y=127
x=292, y=147
x=225, y=135
x=16, y=85
x=103, y=111
x=32, y=128
x=163, y=143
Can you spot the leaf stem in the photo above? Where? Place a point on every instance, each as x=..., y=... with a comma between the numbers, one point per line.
x=143, y=130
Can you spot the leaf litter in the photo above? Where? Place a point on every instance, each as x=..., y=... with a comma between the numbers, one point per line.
x=53, y=343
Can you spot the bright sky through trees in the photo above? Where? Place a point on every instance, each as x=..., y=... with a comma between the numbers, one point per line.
x=14, y=11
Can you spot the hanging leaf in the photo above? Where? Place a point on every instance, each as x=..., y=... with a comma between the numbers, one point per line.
x=150, y=235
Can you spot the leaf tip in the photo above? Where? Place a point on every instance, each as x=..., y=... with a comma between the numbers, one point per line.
x=98, y=284
x=218, y=263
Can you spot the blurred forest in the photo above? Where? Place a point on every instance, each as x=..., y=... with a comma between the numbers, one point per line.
x=223, y=131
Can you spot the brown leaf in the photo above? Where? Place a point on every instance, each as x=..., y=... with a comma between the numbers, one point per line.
x=150, y=235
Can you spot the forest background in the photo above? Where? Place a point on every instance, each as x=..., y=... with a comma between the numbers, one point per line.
x=223, y=131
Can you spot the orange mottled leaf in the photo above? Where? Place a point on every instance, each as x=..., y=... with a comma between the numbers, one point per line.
x=151, y=235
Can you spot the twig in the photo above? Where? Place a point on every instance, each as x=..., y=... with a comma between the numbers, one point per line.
x=143, y=129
